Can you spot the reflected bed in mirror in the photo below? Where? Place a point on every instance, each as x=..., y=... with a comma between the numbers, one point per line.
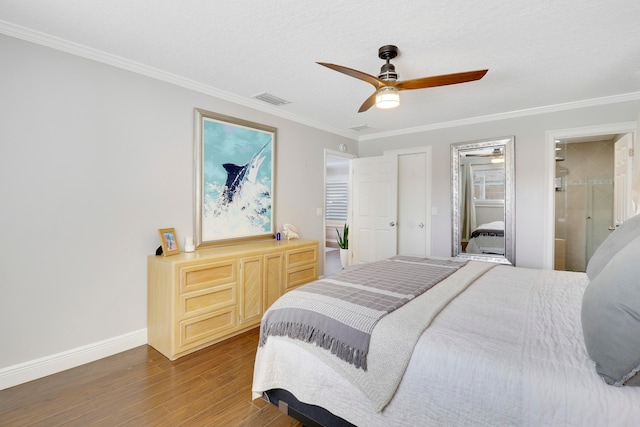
x=483, y=203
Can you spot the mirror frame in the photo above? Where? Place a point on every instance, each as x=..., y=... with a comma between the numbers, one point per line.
x=508, y=142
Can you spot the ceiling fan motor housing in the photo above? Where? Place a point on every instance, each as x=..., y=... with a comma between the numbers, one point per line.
x=388, y=70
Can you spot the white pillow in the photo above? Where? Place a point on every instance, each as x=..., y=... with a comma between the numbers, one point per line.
x=611, y=318
x=618, y=239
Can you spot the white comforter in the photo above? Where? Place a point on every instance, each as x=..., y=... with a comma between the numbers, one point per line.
x=487, y=244
x=508, y=351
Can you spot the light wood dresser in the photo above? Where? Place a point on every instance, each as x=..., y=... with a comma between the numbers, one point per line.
x=201, y=298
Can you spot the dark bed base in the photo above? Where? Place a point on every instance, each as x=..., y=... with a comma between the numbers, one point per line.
x=308, y=415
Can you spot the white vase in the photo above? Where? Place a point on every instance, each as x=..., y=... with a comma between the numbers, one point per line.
x=344, y=253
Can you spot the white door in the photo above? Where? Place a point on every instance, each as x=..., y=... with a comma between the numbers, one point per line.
x=414, y=207
x=622, y=204
x=375, y=204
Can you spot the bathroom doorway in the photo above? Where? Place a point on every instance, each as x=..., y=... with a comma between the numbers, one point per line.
x=586, y=205
x=555, y=248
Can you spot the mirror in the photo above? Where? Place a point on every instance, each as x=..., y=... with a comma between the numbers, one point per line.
x=483, y=202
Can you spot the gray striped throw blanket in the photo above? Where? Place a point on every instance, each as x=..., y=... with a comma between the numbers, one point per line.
x=340, y=312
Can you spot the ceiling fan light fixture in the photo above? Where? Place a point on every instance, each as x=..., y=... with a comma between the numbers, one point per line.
x=387, y=97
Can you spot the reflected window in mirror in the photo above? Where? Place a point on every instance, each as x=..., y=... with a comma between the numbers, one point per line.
x=483, y=200
x=488, y=182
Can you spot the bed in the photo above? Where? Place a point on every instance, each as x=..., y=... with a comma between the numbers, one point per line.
x=487, y=345
x=487, y=239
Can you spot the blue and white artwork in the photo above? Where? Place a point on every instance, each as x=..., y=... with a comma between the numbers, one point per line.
x=237, y=186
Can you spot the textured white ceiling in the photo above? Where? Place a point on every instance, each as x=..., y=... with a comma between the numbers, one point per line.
x=539, y=53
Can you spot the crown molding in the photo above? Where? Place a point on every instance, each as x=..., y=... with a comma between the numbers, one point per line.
x=77, y=49
x=633, y=96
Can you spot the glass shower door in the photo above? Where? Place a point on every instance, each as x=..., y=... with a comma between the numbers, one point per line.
x=599, y=213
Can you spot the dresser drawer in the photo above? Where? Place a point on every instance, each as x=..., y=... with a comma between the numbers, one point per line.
x=201, y=329
x=202, y=276
x=295, y=277
x=303, y=256
x=206, y=300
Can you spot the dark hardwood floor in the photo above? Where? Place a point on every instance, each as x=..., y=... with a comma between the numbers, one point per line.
x=141, y=387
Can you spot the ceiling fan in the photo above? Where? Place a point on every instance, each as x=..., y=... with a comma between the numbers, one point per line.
x=387, y=84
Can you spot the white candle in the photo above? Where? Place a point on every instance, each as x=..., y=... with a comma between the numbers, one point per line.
x=188, y=244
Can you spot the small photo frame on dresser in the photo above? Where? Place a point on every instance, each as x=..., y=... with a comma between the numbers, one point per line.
x=169, y=241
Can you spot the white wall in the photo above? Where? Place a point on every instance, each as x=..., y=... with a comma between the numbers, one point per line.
x=531, y=201
x=93, y=160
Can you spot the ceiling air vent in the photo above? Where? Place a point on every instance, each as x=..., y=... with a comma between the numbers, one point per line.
x=359, y=128
x=271, y=99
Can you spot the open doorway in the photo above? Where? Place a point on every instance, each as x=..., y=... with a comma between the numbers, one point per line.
x=336, y=208
x=588, y=192
x=584, y=184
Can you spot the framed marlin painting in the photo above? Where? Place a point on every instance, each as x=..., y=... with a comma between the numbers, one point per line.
x=234, y=179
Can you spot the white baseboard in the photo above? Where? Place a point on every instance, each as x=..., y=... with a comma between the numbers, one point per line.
x=38, y=368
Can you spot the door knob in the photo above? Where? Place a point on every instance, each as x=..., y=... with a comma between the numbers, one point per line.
x=421, y=225
x=392, y=224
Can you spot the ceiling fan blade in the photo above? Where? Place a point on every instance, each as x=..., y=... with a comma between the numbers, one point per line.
x=368, y=103
x=443, y=80
x=376, y=82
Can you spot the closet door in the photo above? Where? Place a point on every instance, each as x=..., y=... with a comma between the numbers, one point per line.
x=391, y=205
x=375, y=206
x=414, y=204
